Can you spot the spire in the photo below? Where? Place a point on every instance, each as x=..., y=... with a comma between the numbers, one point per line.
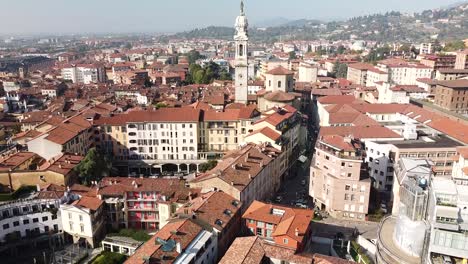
x=242, y=8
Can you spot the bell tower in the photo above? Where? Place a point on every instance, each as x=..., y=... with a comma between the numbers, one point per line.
x=241, y=60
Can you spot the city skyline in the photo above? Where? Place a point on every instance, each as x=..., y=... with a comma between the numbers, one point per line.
x=58, y=17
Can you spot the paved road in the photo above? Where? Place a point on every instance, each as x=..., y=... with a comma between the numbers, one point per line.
x=293, y=188
x=328, y=227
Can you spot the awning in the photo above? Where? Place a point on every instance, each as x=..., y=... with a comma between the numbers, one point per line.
x=448, y=212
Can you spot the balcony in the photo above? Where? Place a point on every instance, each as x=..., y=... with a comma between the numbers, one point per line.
x=357, y=155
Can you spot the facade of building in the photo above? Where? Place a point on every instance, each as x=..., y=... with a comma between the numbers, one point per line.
x=29, y=218
x=84, y=73
x=339, y=182
x=248, y=174
x=452, y=96
x=83, y=220
x=280, y=225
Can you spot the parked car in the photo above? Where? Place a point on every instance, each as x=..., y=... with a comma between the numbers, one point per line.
x=447, y=260
x=383, y=207
x=300, y=205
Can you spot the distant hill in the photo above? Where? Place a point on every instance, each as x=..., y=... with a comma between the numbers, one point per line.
x=447, y=23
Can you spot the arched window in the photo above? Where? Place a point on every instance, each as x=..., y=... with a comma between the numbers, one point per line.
x=279, y=84
x=241, y=50
x=269, y=83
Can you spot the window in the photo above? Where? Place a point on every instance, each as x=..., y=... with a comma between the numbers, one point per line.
x=81, y=218
x=347, y=187
x=259, y=232
x=16, y=223
x=82, y=228
x=26, y=221
x=71, y=225
x=279, y=84
x=45, y=218
x=54, y=217
x=6, y=226
x=241, y=50
x=285, y=241
x=350, y=174
x=35, y=220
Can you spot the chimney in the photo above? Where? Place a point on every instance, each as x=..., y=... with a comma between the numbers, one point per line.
x=232, y=183
x=179, y=248
x=296, y=231
x=250, y=176
x=261, y=164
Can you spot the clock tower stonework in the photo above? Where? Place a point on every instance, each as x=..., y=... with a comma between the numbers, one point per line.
x=241, y=60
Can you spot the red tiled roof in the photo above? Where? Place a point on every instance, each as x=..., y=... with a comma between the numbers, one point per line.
x=280, y=70
x=184, y=114
x=89, y=202
x=182, y=231
x=268, y=132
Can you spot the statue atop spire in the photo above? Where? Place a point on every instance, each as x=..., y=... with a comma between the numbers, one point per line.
x=242, y=8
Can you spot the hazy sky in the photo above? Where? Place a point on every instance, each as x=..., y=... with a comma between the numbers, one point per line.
x=96, y=16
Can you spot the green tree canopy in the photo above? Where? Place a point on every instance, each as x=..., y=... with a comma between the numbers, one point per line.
x=340, y=70
x=93, y=167
x=454, y=46
x=208, y=166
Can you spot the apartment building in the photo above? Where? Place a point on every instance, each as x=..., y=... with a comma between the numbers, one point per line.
x=153, y=140
x=150, y=203
x=452, y=95
x=180, y=241
x=404, y=73
x=357, y=73
x=451, y=74
x=29, y=169
x=84, y=73
x=307, y=73
x=461, y=61
x=339, y=182
x=248, y=174
x=225, y=130
x=383, y=155
x=72, y=135
x=283, y=226
x=83, y=220
x=30, y=219
x=439, y=61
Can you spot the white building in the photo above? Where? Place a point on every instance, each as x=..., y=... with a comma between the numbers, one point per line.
x=84, y=220
x=307, y=73
x=28, y=218
x=400, y=73
x=84, y=73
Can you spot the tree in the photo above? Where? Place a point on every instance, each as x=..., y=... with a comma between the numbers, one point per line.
x=193, y=56
x=128, y=46
x=454, y=46
x=341, y=49
x=292, y=55
x=93, y=167
x=340, y=70
x=204, y=167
